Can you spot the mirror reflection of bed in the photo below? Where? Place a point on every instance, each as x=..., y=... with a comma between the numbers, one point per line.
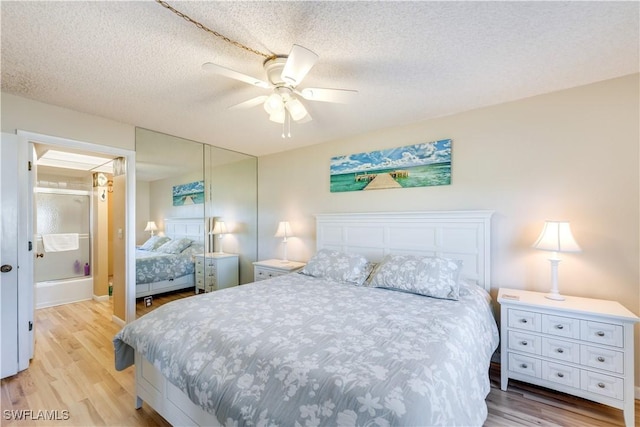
x=166, y=264
x=163, y=162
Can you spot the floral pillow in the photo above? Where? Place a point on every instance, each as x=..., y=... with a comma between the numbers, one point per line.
x=154, y=243
x=423, y=275
x=194, y=249
x=338, y=266
x=175, y=246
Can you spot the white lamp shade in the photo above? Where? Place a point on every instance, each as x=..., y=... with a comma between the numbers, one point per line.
x=274, y=103
x=556, y=236
x=219, y=228
x=277, y=116
x=296, y=109
x=284, y=229
x=151, y=226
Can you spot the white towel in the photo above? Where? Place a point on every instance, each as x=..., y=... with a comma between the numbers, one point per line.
x=60, y=242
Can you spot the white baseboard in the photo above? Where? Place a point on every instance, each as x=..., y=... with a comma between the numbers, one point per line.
x=101, y=298
x=118, y=321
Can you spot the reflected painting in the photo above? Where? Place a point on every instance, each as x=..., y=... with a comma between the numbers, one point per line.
x=417, y=165
x=188, y=194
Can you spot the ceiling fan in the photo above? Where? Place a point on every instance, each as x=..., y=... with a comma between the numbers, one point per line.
x=284, y=75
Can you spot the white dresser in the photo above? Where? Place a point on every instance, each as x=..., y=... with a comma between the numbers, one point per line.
x=579, y=346
x=274, y=267
x=216, y=271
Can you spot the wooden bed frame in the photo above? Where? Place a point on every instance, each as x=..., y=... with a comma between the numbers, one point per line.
x=463, y=235
x=176, y=228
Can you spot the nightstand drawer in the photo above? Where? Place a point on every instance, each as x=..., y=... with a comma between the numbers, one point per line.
x=602, y=358
x=207, y=262
x=561, y=326
x=601, y=333
x=561, y=374
x=561, y=350
x=604, y=385
x=525, y=365
x=263, y=274
x=522, y=341
x=526, y=320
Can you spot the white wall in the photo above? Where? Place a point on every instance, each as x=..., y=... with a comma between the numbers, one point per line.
x=142, y=211
x=570, y=155
x=26, y=114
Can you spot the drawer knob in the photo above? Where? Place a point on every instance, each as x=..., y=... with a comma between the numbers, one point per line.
x=523, y=343
x=560, y=375
x=523, y=366
x=559, y=350
x=600, y=333
x=601, y=385
x=523, y=320
x=559, y=327
x=600, y=359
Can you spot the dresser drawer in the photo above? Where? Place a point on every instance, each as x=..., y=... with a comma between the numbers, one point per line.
x=561, y=350
x=601, y=333
x=602, y=384
x=561, y=374
x=561, y=326
x=525, y=365
x=525, y=320
x=524, y=342
x=602, y=358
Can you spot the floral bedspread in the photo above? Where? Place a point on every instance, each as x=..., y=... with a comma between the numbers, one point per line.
x=298, y=350
x=158, y=266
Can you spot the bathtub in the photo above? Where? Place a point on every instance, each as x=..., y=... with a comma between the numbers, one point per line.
x=64, y=291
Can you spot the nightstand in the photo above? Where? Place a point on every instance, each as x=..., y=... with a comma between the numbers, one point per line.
x=216, y=271
x=579, y=346
x=274, y=267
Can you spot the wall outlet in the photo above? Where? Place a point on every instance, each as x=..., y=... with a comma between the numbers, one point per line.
x=148, y=301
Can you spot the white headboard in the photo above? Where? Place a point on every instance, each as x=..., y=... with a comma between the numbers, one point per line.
x=464, y=235
x=191, y=228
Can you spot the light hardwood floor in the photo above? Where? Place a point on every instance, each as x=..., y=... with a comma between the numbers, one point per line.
x=73, y=371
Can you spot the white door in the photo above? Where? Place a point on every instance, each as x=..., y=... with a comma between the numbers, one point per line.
x=9, y=253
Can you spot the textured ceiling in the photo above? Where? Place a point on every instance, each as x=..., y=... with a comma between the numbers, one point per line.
x=138, y=63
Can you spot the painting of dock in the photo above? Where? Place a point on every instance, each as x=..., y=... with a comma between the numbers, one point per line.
x=188, y=194
x=417, y=165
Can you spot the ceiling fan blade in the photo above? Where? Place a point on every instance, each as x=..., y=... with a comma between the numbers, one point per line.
x=341, y=96
x=250, y=103
x=299, y=62
x=227, y=72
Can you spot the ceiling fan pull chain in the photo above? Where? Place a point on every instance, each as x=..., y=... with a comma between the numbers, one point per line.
x=289, y=125
x=215, y=33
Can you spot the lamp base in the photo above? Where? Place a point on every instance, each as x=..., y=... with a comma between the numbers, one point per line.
x=555, y=297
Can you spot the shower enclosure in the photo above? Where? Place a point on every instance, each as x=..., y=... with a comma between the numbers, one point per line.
x=62, y=274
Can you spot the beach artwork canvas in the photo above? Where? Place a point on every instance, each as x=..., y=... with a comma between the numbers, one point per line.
x=188, y=194
x=417, y=165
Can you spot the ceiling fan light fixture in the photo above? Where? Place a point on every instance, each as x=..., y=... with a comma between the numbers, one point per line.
x=274, y=103
x=296, y=109
x=277, y=116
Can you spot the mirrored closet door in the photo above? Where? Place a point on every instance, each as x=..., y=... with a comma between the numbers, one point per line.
x=196, y=216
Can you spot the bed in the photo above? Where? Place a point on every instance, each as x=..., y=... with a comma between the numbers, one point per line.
x=163, y=269
x=332, y=348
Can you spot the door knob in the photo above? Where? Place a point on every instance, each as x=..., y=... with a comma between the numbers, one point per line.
x=6, y=268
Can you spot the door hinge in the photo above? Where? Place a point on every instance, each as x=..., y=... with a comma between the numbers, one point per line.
x=30, y=246
x=29, y=164
x=30, y=325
